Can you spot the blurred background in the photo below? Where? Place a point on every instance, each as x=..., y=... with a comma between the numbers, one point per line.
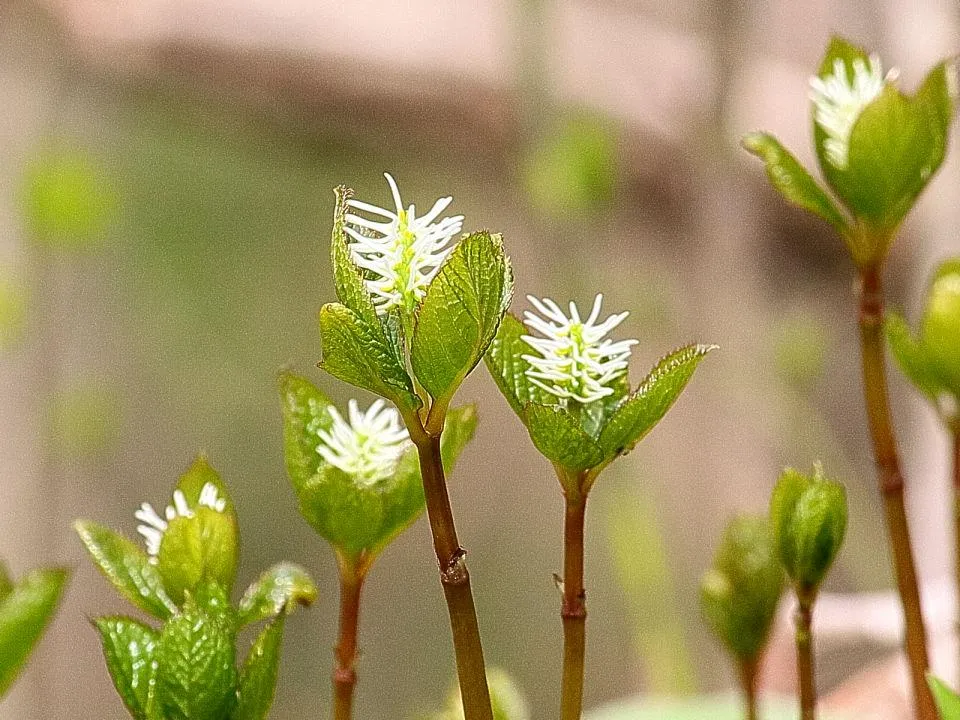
x=165, y=201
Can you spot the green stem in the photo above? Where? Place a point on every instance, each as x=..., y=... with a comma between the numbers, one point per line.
x=573, y=609
x=891, y=483
x=454, y=576
x=749, y=675
x=805, y=666
x=352, y=574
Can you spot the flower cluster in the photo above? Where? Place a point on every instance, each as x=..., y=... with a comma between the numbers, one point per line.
x=402, y=252
x=838, y=103
x=368, y=446
x=155, y=526
x=575, y=361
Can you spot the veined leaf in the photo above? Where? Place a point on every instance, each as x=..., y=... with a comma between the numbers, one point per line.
x=277, y=591
x=504, y=360
x=258, y=679
x=558, y=435
x=305, y=414
x=460, y=313
x=347, y=277
x=130, y=649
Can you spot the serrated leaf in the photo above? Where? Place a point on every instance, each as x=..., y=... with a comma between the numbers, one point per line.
x=360, y=353
x=24, y=614
x=347, y=277
x=278, y=590
x=305, y=414
x=557, y=434
x=948, y=702
x=346, y=514
x=647, y=405
x=504, y=360
x=910, y=355
x=258, y=679
x=791, y=179
x=127, y=568
x=460, y=313
x=130, y=649
x=196, y=677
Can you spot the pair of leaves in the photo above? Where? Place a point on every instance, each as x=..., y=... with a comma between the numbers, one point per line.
x=452, y=328
x=194, y=551
x=186, y=671
x=26, y=608
x=352, y=515
x=896, y=144
x=601, y=430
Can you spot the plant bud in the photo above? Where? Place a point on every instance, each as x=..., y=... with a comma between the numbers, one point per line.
x=940, y=328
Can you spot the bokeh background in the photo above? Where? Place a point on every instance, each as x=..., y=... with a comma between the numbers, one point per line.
x=165, y=200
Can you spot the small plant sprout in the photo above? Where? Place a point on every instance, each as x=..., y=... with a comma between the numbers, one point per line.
x=415, y=317
x=186, y=669
x=508, y=701
x=808, y=514
x=739, y=595
x=877, y=149
x=358, y=483
x=26, y=608
x=931, y=361
x=569, y=386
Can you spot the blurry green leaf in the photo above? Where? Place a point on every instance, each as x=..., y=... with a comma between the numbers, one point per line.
x=359, y=353
x=278, y=590
x=910, y=355
x=85, y=419
x=505, y=362
x=740, y=592
x=6, y=582
x=130, y=649
x=647, y=405
x=800, y=346
x=940, y=327
x=703, y=708
x=305, y=414
x=573, y=168
x=24, y=614
x=948, y=702
x=196, y=677
x=506, y=699
x=258, y=678
x=460, y=313
x=347, y=277
x=791, y=179
x=557, y=434
x=67, y=202
x=127, y=568
x=13, y=313
x=458, y=430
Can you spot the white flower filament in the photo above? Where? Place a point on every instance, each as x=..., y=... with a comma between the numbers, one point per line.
x=368, y=446
x=154, y=526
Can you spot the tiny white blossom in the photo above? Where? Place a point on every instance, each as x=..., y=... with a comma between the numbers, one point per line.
x=402, y=252
x=154, y=526
x=368, y=446
x=838, y=103
x=575, y=361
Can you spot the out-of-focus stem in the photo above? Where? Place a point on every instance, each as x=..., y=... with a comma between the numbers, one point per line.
x=352, y=574
x=955, y=438
x=891, y=482
x=454, y=576
x=573, y=609
x=748, y=684
x=805, y=665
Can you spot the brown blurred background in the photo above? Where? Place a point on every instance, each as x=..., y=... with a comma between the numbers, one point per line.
x=165, y=199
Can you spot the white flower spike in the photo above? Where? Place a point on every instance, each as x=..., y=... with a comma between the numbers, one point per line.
x=368, y=446
x=155, y=526
x=838, y=103
x=575, y=362
x=402, y=251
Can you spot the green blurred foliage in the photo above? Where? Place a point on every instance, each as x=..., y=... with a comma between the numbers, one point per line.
x=714, y=708
x=800, y=344
x=67, y=200
x=13, y=310
x=85, y=419
x=573, y=168
x=505, y=695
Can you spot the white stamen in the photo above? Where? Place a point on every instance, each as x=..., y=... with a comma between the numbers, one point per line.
x=575, y=362
x=154, y=526
x=368, y=446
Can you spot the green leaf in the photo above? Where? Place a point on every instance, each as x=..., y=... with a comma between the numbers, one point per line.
x=791, y=179
x=647, y=405
x=948, y=702
x=196, y=677
x=347, y=277
x=258, y=679
x=6, y=582
x=558, y=435
x=359, y=353
x=458, y=430
x=504, y=360
x=130, y=649
x=910, y=355
x=940, y=327
x=345, y=513
x=24, y=614
x=305, y=414
x=127, y=568
x=277, y=591
x=460, y=313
